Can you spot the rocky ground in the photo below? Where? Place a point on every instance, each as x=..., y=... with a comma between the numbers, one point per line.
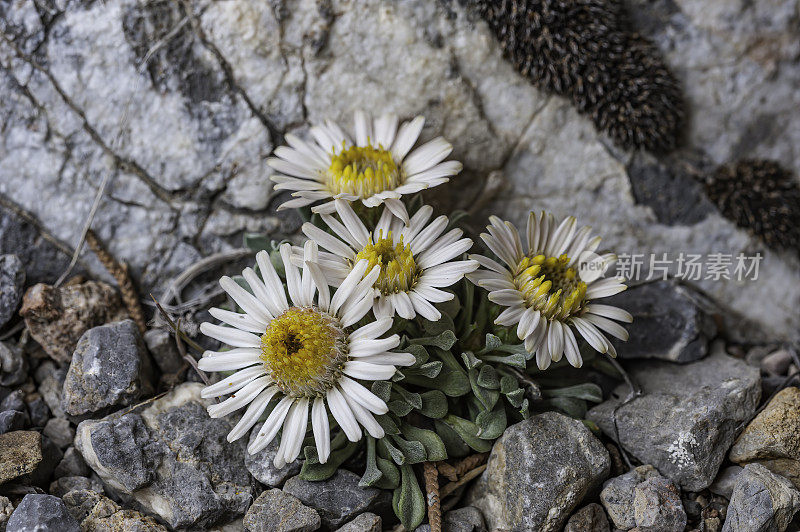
x=175, y=107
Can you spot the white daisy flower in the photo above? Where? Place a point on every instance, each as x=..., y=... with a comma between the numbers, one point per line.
x=378, y=167
x=550, y=289
x=415, y=259
x=304, y=354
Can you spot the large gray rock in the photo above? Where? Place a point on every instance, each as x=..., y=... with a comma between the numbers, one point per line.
x=188, y=158
x=110, y=368
x=12, y=280
x=262, y=467
x=171, y=458
x=539, y=472
x=41, y=513
x=686, y=418
x=339, y=498
x=467, y=519
x=366, y=522
x=761, y=502
x=670, y=322
x=618, y=492
x=657, y=506
x=276, y=511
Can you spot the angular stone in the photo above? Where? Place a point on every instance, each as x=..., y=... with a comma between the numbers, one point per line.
x=110, y=367
x=657, y=506
x=51, y=457
x=172, y=458
x=339, y=498
x=261, y=464
x=64, y=485
x=725, y=481
x=467, y=519
x=161, y=345
x=38, y=411
x=590, y=518
x=58, y=317
x=761, y=502
x=37, y=513
x=366, y=522
x=20, y=453
x=72, y=465
x=60, y=431
x=277, y=511
x=618, y=492
x=6, y=509
x=14, y=401
x=687, y=415
x=777, y=362
x=12, y=280
x=670, y=322
x=97, y=513
x=773, y=437
x=13, y=420
x=51, y=390
x=539, y=472
x=13, y=365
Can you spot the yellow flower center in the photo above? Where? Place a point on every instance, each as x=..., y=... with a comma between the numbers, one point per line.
x=362, y=171
x=550, y=286
x=398, y=269
x=303, y=351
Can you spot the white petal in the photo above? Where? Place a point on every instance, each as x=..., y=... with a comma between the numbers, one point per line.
x=259, y=289
x=528, y=322
x=423, y=307
x=366, y=347
x=417, y=223
x=371, y=330
x=427, y=236
x=229, y=335
x=348, y=285
x=555, y=340
x=252, y=414
x=390, y=359
x=352, y=222
x=363, y=128
x=403, y=305
x=437, y=255
x=240, y=398
x=232, y=383
x=247, y=301
x=293, y=280
x=276, y=303
x=343, y=415
x=297, y=424
x=591, y=334
x=560, y=238
x=324, y=298
x=427, y=156
x=364, y=417
x=406, y=137
x=321, y=428
x=571, y=348
x=609, y=312
x=362, y=396
x=397, y=207
x=244, y=322
x=271, y=426
x=234, y=359
x=367, y=371
x=614, y=329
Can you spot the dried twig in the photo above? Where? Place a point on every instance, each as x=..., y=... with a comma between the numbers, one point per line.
x=431, y=474
x=470, y=462
x=119, y=271
x=184, y=278
x=447, y=471
x=189, y=359
x=532, y=389
x=453, y=486
x=194, y=345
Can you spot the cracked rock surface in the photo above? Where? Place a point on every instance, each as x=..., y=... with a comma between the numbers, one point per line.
x=171, y=458
x=178, y=105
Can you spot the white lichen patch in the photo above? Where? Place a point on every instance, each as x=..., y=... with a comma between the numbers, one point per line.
x=680, y=452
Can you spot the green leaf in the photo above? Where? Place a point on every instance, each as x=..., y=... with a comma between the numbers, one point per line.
x=467, y=431
x=414, y=451
x=487, y=377
x=456, y=448
x=491, y=424
x=390, y=478
x=382, y=389
x=434, y=404
x=508, y=383
x=408, y=502
x=516, y=397
x=411, y=398
x=399, y=408
x=452, y=383
x=435, y=328
x=385, y=446
x=587, y=391
x=450, y=308
x=430, y=369
x=445, y=340
x=387, y=424
x=516, y=361
x=470, y=360
x=371, y=474
x=316, y=471
x=572, y=407
x=434, y=447
x=258, y=242
x=487, y=397
x=419, y=352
